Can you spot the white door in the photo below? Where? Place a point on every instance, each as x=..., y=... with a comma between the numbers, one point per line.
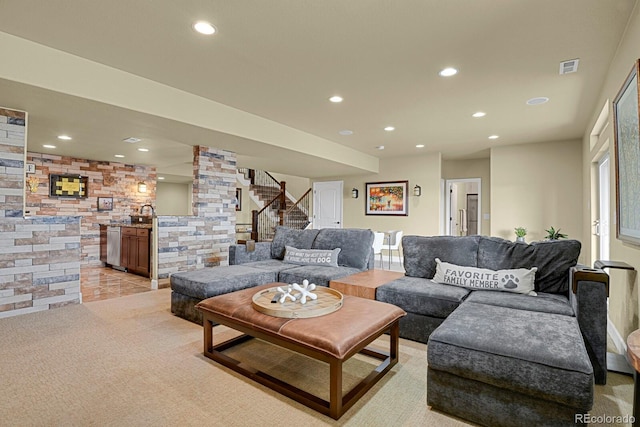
x=327, y=204
x=602, y=223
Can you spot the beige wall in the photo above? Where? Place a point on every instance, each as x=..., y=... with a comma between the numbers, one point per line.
x=536, y=186
x=623, y=298
x=296, y=186
x=173, y=199
x=243, y=216
x=424, y=211
x=475, y=168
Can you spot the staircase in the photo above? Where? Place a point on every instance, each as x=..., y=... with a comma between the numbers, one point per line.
x=277, y=207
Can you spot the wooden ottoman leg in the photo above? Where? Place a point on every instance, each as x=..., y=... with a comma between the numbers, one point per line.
x=207, y=326
x=335, y=388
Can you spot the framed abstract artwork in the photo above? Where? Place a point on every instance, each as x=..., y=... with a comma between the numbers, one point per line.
x=387, y=198
x=627, y=155
x=238, y=199
x=71, y=186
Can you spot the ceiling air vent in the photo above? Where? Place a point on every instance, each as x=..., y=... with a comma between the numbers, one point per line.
x=570, y=66
x=132, y=140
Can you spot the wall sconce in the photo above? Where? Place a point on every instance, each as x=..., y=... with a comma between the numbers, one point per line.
x=354, y=193
x=142, y=187
x=417, y=191
x=32, y=183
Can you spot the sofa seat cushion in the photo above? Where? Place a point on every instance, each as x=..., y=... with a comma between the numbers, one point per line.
x=540, y=355
x=212, y=281
x=543, y=302
x=273, y=265
x=319, y=275
x=422, y=296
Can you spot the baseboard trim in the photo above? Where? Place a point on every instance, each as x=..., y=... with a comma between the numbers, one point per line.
x=618, y=341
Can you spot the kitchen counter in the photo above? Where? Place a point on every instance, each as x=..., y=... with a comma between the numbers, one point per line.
x=126, y=224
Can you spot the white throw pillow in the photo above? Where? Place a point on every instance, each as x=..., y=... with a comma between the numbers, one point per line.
x=520, y=280
x=323, y=257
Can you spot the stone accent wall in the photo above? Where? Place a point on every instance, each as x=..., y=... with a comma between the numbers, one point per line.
x=39, y=257
x=194, y=242
x=106, y=179
x=39, y=264
x=13, y=129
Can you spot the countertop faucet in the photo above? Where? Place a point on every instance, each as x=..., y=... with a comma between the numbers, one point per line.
x=153, y=212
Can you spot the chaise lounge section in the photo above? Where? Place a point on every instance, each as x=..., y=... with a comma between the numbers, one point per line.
x=497, y=357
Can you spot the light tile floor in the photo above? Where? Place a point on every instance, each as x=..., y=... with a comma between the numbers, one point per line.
x=100, y=283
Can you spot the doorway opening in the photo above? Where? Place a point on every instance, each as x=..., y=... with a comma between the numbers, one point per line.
x=463, y=207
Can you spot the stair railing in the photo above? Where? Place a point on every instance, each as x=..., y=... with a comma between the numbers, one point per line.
x=275, y=212
x=297, y=216
x=264, y=221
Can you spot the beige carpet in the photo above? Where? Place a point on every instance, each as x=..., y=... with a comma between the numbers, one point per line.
x=130, y=362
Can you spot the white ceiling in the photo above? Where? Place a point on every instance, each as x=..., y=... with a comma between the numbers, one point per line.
x=282, y=59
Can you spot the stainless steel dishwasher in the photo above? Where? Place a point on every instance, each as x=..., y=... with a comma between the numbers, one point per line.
x=113, y=247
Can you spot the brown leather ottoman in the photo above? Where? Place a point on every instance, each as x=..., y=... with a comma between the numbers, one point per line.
x=332, y=338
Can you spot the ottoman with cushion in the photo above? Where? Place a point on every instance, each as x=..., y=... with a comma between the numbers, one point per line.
x=479, y=369
x=191, y=287
x=331, y=338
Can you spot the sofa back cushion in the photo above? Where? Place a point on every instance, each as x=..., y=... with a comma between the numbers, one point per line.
x=284, y=236
x=553, y=258
x=420, y=253
x=355, y=243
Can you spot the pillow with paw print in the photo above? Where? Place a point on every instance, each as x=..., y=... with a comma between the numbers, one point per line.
x=520, y=280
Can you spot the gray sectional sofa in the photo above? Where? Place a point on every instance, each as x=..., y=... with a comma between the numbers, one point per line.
x=502, y=358
x=266, y=263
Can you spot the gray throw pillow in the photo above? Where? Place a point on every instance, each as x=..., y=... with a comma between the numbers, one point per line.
x=321, y=257
x=520, y=280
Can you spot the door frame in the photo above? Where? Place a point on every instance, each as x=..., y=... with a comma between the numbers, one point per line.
x=604, y=206
x=447, y=202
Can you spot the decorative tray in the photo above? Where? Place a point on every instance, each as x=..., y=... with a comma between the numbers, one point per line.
x=328, y=301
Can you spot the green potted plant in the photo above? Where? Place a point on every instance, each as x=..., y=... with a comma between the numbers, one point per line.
x=553, y=234
x=520, y=233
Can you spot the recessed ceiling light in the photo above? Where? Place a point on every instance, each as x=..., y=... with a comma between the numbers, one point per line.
x=420, y=146
x=345, y=132
x=479, y=114
x=64, y=137
x=204, y=27
x=537, y=101
x=335, y=99
x=143, y=149
x=389, y=128
x=161, y=177
x=448, y=72
x=494, y=137
x=380, y=147
x=48, y=146
x=120, y=156
x=132, y=140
